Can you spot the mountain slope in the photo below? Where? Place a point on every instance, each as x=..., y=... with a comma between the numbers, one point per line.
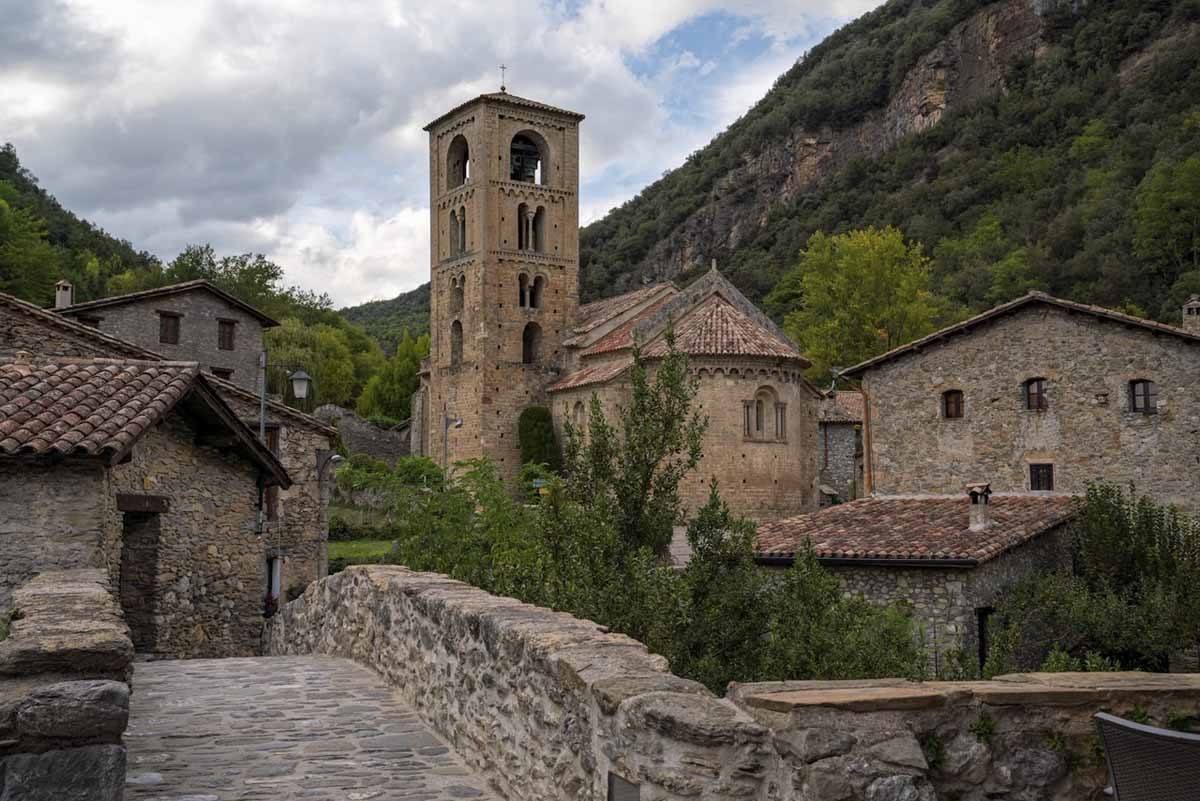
x=1022, y=142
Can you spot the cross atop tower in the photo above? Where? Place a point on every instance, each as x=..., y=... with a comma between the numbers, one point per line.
x=503, y=69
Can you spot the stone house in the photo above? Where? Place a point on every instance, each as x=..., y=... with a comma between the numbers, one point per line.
x=507, y=330
x=946, y=557
x=295, y=519
x=839, y=447
x=192, y=320
x=1039, y=394
x=141, y=468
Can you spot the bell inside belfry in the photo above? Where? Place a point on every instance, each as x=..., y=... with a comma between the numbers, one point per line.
x=525, y=160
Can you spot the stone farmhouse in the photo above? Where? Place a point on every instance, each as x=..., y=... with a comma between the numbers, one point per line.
x=138, y=467
x=508, y=331
x=1039, y=394
x=290, y=521
x=945, y=557
x=193, y=320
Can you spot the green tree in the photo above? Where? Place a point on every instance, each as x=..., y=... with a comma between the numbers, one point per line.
x=29, y=264
x=539, y=444
x=320, y=350
x=1167, y=216
x=389, y=391
x=862, y=292
x=635, y=466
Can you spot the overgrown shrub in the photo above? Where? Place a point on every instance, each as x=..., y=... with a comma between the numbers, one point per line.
x=1130, y=598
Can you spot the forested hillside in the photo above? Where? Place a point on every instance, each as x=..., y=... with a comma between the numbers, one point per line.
x=1071, y=162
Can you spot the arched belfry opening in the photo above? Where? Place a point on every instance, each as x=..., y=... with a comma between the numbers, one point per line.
x=523, y=290
x=457, y=288
x=528, y=159
x=536, y=291
x=531, y=343
x=538, y=234
x=524, y=225
x=462, y=229
x=454, y=231
x=458, y=162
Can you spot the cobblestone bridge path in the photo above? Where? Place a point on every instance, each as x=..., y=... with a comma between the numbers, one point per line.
x=282, y=728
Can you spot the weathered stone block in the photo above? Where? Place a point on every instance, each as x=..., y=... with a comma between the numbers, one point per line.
x=90, y=773
x=76, y=709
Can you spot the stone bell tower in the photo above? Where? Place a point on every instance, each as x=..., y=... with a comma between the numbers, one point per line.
x=504, y=270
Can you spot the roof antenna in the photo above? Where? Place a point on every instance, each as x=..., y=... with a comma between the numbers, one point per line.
x=503, y=69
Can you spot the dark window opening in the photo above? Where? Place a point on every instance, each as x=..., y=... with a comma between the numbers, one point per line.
x=536, y=291
x=456, y=343
x=1035, y=395
x=952, y=404
x=1143, y=397
x=781, y=421
x=140, y=536
x=538, y=233
x=531, y=343
x=458, y=162
x=92, y=322
x=223, y=372
x=523, y=290
x=525, y=160
x=225, y=333
x=454, y=250
x=168, y=328
x=1041, y=477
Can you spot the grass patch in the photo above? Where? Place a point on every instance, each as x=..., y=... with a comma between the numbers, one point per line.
x=343, y=553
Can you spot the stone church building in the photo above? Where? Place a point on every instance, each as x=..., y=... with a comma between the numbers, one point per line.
x=508, y=332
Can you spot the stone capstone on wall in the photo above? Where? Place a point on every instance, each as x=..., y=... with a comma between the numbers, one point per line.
x=544, y=704
x=64, y=691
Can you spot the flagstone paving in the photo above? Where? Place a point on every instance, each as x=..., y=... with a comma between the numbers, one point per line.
x=282, y=728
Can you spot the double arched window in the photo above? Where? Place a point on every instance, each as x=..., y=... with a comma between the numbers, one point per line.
x=531, y=228
x=457, y=289
x=458, y=231
x=764, y=417
x=530, y=294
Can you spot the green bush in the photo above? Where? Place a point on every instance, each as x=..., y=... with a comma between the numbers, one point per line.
x=1130, y=598
x=535, y=433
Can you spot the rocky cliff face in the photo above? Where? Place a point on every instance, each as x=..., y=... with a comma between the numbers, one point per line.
x=969, y=63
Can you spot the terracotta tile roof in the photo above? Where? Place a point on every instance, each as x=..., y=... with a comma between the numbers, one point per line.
x=93, y=407
x=590, y=375
x=170, y=289
x=598, y=312
x=1013, y=306
x=716, y=327
x=844, y=406
x=621, y=337
x=929, y=529
x=514, y=100
x=115, y=346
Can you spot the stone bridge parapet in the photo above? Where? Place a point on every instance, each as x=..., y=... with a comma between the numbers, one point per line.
x=548, y=706
x=64, y=690
x=544, y=704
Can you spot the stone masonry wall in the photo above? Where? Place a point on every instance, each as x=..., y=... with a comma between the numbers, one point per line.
x=51, y=518
x=944, y=600
x=200, y=310
x=64, y=691
x=206, y=599
x=300, y=535
x=363, y=436
x=761, y=479
x=838, y=460
x=1088, y=432
x=547, y=706
x=1023, y=737
x=544, y=704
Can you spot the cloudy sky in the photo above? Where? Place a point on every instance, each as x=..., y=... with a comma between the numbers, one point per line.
x=293, y=127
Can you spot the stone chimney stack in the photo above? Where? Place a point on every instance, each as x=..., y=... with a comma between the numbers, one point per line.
x=1191, y=314
x=64, y=294
x=981, y=516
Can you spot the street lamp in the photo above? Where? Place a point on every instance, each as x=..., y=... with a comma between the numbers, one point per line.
x=301, y=384
x=448, y=423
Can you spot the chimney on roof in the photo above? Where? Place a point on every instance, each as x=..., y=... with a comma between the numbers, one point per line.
x=981, y=516
x=64, y=294
x=1191, y=314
